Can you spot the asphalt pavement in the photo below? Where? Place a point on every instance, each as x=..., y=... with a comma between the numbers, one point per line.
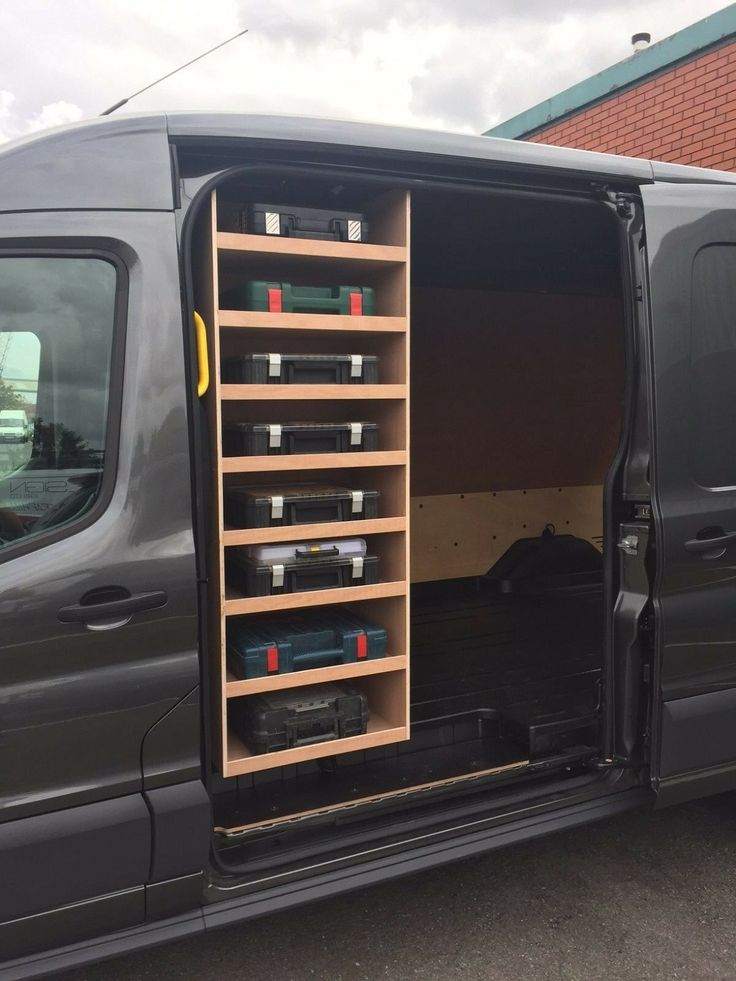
x=649, y=895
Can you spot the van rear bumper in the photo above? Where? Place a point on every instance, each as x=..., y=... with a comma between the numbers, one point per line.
x=439, y=848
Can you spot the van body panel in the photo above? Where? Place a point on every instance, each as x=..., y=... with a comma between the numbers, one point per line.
x=117, y=163
x=693, y=355
x=322, y=133
x=107, y=848
x=172, y=748
x=673, y=173
x=76, y=703
x=181, y=817
x=75, y=926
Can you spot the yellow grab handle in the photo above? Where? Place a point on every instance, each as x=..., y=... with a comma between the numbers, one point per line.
x=202, y=358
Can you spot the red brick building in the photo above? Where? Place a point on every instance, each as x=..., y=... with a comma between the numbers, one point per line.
x=673, y=101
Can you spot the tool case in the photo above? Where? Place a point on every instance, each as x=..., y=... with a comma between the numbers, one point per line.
x=280, y=720
x=301, y=369
x=265, y=570
x=285, y=438
x=293, y=222
x=356, y=301
x=297, y=504
x=260, y=647
x=545, y=728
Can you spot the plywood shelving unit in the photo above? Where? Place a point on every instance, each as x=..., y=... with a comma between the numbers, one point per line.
x=226, y=258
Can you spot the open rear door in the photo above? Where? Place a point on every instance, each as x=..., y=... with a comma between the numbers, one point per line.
x=691, y=245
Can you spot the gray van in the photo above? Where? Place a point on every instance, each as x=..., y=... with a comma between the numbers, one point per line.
x=555, y=533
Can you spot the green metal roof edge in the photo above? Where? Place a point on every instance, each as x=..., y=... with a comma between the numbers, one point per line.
x=654, y=59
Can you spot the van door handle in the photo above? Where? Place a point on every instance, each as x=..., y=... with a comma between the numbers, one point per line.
x=716, y=545
x=85, y=611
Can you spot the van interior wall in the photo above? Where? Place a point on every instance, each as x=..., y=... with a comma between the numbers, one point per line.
x=516, y=404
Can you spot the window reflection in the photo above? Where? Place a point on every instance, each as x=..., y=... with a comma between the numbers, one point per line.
x=56, y=326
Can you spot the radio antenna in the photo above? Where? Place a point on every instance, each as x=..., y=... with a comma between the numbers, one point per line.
x=163, y=78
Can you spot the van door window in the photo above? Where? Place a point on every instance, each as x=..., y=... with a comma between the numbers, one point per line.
x=56, y=333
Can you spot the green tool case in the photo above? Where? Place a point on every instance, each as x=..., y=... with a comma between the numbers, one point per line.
x=353, y=301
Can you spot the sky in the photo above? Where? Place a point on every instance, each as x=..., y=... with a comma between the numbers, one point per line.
x=460, y=65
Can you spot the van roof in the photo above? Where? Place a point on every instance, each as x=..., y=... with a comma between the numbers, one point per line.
x=123, y=161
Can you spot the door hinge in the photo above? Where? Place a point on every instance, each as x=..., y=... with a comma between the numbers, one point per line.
x=629, y=544
x=622, y=203
x=639, y=292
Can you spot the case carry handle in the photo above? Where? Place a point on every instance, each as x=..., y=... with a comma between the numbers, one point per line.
x=316, y=551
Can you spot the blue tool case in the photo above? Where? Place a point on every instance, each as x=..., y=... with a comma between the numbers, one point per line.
x=260, y=647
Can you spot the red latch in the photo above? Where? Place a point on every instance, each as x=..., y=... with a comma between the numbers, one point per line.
x=356, y=304
x=274, y=301
x=272, y=660
x=362, y=646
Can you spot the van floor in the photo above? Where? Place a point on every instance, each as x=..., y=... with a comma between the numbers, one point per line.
x=497, y=681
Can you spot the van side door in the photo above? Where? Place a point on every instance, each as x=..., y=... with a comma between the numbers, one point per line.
x=691, y=256
x=99, y=707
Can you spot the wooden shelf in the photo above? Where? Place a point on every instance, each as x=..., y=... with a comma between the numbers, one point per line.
x=236, y=605
x=311, y=321
x=224, y=261
x=325, y=529
x=361, y=253
x=286, y=393
x=240, y=760
x=313, y=461
x=314, y=676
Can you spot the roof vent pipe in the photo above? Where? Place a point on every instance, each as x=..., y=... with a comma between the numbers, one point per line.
x=641, y=41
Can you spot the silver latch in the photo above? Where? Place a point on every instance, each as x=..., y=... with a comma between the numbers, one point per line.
x=354, y=230
x=356, y=365
x=274, y=366
x=277, y=507
x=358, y=567
x=356, y=433
x=273, y=223
x=277, y=576
x=357, y=498
x=274, y=436
x=629, y=544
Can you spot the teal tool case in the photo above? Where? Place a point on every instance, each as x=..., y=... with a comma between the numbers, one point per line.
x=295, y=643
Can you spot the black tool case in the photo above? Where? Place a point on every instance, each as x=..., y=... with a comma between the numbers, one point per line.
x=265, y=570
x=258, y=647
x=297, y=504
x=299, y=717
x=301, y=369
x=295, y=222
x=552, y=726
x=286, y=438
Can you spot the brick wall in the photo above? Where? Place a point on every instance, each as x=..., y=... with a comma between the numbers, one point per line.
x=684, y=115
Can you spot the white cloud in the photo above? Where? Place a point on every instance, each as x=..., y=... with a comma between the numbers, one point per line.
x=13, y=124
x=54, y=114
x=460, y=64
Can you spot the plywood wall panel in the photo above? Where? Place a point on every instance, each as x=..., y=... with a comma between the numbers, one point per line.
x=513, y=390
